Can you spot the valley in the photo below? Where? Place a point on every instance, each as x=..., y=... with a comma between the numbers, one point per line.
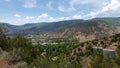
x=71, y=43
x=60, y=34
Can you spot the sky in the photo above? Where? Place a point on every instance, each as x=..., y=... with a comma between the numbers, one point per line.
x=19, y=12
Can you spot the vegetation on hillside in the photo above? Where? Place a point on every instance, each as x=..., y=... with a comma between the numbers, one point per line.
x=20, y=53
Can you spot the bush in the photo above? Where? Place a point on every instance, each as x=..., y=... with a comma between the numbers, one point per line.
x=22, y=49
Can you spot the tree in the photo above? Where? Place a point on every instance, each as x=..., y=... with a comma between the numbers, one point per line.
x=89, y=49
x=42, y=62
x=3, y=38
x=23, y=48
x=107, y=61
x=118, y=54
x=96, y=60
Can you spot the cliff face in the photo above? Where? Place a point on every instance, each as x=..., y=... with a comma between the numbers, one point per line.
x=86, y=31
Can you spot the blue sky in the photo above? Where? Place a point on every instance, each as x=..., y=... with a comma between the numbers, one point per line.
x=19, y=12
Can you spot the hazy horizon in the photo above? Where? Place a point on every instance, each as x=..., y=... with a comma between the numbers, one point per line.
x=18, y=12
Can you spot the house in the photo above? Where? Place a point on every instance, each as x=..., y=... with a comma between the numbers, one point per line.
x=111, y=52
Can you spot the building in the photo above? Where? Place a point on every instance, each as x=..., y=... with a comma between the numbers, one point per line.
x=111, y=52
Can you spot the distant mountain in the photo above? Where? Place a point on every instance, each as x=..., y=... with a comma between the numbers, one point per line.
x=111, y=21
x=9, y=26
x=89, y=29
x=81, y=29
x=38, y=28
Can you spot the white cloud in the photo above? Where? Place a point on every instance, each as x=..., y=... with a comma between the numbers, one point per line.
x=52, y=19
x=93, y=3
x=91, y=14
x=11, y=21
x=30, y=3
x=61, y=18
x=67, y=18
x=112, y=7
x=17, y=15
x=77, y=16
x=30, y=17
x=73, y=5
x=44, y=15
x=108, y=8
x=64, y=9
x=49, y=5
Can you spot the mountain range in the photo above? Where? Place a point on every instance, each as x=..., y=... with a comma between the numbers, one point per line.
x=37, y=28
x=88, y=30
x=81, y=29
